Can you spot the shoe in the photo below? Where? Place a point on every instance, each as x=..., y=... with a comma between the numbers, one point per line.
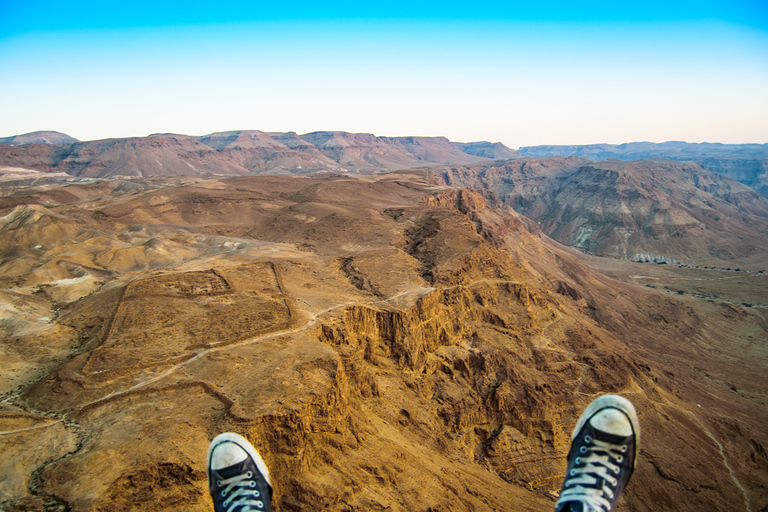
x=602, y=456
x=238, y=479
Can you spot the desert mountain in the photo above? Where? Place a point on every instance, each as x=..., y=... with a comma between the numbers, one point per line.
x=747, y=163
x=387, y=343
x=40, y=137
x=647, y=210
x=243, y=152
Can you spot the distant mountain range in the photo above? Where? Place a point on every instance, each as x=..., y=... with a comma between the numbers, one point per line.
x=238, y=153
x=747, y=163
x=257, y=152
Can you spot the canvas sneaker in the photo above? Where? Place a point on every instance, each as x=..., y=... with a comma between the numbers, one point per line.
x=602, y=456
x=238, y=479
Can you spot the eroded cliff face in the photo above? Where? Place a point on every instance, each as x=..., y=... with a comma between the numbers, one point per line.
x=409, y=349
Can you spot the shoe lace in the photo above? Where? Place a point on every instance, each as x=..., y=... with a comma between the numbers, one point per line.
x=240, y=491
x=593, y=479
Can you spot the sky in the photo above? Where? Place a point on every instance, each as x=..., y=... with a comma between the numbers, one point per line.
x=511, y=72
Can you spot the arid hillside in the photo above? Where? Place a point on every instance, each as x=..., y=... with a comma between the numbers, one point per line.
x=386, y=343
x=646, y=210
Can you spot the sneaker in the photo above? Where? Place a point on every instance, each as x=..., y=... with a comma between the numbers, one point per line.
x=238, y=479
x=602, y=456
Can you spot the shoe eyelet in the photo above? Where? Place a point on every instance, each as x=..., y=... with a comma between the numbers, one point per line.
x=252, y=483
x=223, y=493
x=578, y=460
x=573, y=472
x=619, y=458
x=617, y=470
x=256, y=493
x=588, y=438
x=249, y=475
x=259, y=504
x=218, y=483
x=623, y=448
x=583, y=449
x=614, y=482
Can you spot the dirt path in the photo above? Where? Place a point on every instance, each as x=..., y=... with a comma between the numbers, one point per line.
x=747, y=501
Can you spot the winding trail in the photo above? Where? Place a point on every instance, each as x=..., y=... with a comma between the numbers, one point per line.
x=747, y=501
x=547, y=341
x=27, y=429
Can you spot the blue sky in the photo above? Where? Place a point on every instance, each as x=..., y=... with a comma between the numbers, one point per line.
x=522, y=74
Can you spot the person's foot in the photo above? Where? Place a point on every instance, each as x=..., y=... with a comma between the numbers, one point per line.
x=602, y=456
x=238, y=479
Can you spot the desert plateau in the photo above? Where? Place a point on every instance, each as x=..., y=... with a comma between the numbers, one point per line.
x=396, y=323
